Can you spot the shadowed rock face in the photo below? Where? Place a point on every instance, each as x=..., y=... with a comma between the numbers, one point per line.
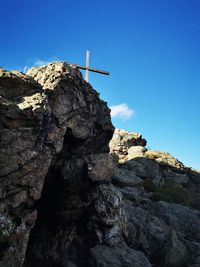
x=52, y=122
x=66, y=202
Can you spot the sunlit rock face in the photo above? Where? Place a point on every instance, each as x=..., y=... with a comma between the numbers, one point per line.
x=68, y=200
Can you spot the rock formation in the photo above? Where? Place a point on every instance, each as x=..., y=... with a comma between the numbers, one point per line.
x=66, y=202
x=161, y=201
x=53, y=126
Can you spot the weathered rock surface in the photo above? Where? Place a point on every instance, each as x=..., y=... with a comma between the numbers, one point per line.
x=102, y=256
x=161, y=203
x=122, y=141
x=51, y=121
x=66, y=202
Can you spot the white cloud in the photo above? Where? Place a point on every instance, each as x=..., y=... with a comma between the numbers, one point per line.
x=36, y=62
x=40, y=62
x=122, y=111
x=25, y=69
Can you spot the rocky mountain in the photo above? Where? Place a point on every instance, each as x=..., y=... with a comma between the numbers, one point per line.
x=65, y=201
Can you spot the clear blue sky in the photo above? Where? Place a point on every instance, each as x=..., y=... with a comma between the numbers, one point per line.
x=150, y=47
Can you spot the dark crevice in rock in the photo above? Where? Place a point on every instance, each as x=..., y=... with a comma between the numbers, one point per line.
x=71, y=144
x=46, y=224
x=61, y=213
x=59, y=235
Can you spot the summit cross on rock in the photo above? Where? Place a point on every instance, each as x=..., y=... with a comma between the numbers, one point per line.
x=87, y=67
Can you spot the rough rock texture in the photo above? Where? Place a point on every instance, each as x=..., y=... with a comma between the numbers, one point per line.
x=52, y=125
x=66, y=202
x=161, y=203
x=122, y=141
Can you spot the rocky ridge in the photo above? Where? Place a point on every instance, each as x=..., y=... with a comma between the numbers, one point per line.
x=65, y=201
x=161, y=202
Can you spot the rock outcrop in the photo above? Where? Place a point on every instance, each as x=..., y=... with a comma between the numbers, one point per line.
x=66, y=202
x=54, y=129
x=161, y=202
x=122, y=141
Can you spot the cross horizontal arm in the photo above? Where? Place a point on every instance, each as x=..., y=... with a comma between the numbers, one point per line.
x=90, y=69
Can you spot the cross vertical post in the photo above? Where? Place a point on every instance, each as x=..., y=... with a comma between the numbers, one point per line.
x=87, y=65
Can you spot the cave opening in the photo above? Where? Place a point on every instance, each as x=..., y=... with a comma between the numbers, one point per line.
x=61, y=234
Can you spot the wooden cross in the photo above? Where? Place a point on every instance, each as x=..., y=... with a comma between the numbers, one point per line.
x=87, y=67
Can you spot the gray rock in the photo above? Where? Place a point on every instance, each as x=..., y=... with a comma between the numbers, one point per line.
x=198, y=260
x=126, y=177
x=122, y=256
x=109, y=219
x=145, y=168
x=155, y=238
x=50, y=120
x=70, y=264
x=132, y=193
x=176, y=178
x=100, y=167
x=182, y=219
x=177, y=254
